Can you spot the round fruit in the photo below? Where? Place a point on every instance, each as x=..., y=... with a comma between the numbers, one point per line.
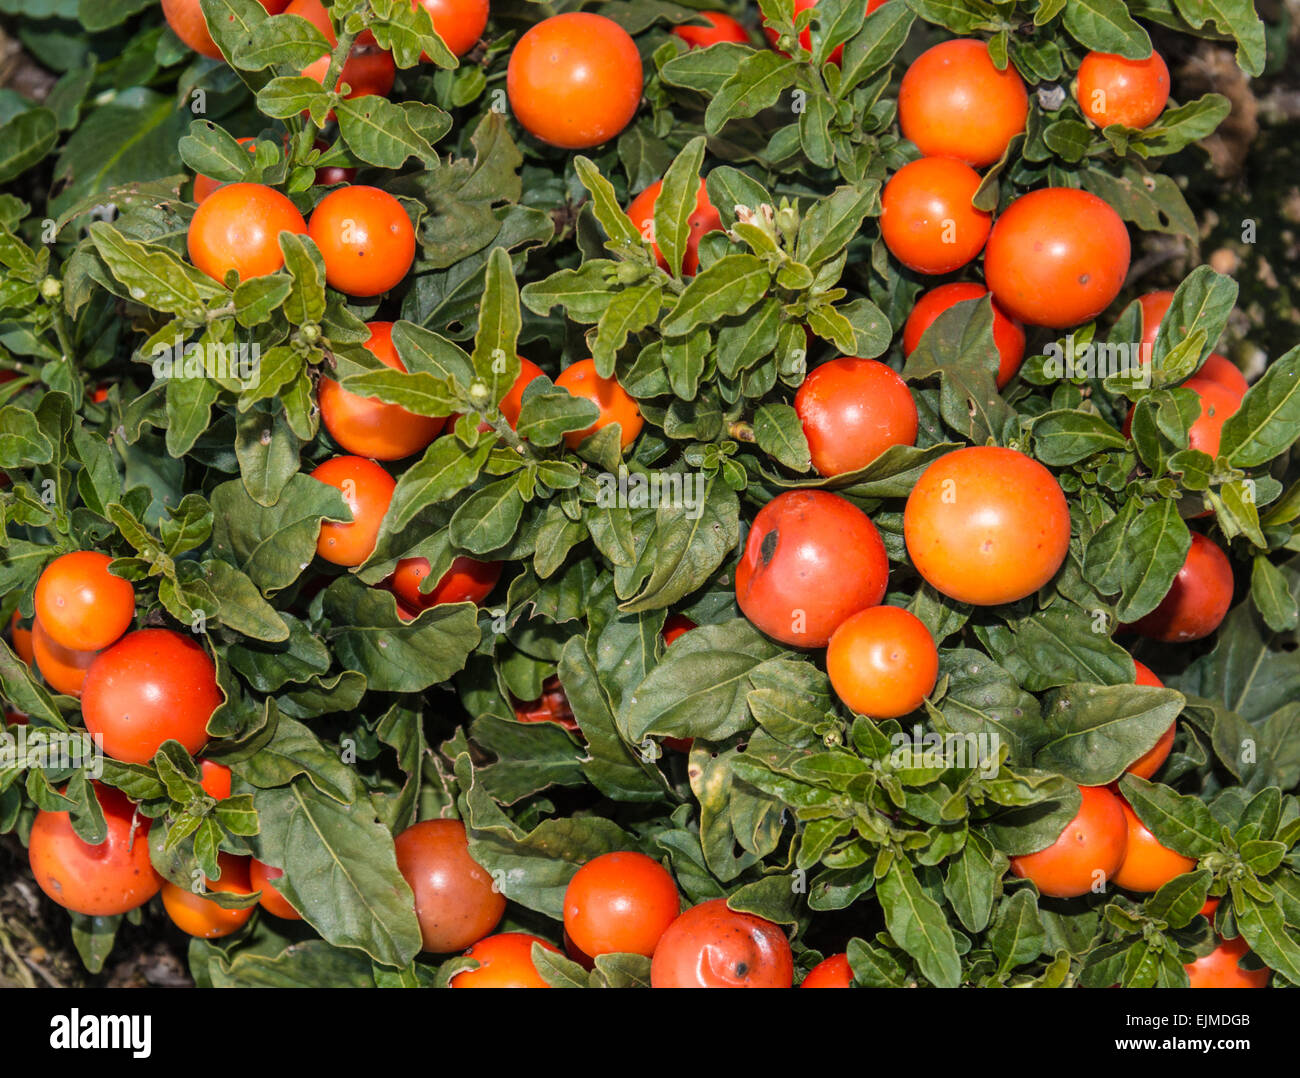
x=833, y=972
x=1217, y=368
x=575, y=80
x=238, y=228
x=152, y=686
x=1154, y=306
x=812, y=560
x=456, y=902
x=21, y=638
x=504, y=961
x=1114, y=90
x=1221, y=968
x=852, y=410
x=1086, y=855
x=615, y=403
x=953, y=102
x=368, y=490
x=1217, y=404
x=368, y=68
x=928, y=222
x=987, y=525
x=551, y=706
x=512, y=403
x=215, y=779
x=620, y=903
x=805, y=35
x=882, y=662
x=205, y=185
x=1197, y=601
x=1057, y=257
x=1008, y=334
x=703, y=219
x=367, y=426
x=99, y=881
x=676, y=626
x=1150, y=762
x=1222, y=370
x=81, y=605
x=63, y=669
x=365, y=238
x=259, y=877
x=1148, y=865
x=711, y=946
x=198, y=916
x=721, y=28
x=466, y=581
x=185, y=17
x=460, y=23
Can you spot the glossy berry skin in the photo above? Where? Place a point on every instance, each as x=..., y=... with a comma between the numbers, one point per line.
x=987, y=525
x=852, y=410
x=1197, y=601
x=455, y=901
x=98, y=881
x=365, y=238
x=153, y=685
x=551, y=706
x=81, y=604
x=1008, y=334
x=812, y=559
x=259, y=877
x=953, y=102
x=721, y=27
x=711, y=946
x=1217, y=402
x=1088, y=852
x=366, y=426
x=505, y=961
x=1150, y=762
x=1114, y=90
x=620, y=903
x=201, y=917
x=367, y=489
x=928, y=222
x=1057, y=257
x=20, y=636
x=703, y=219
x=832, y=972
x=1220, y=968
x=882, y=662
x=1148, y=865
x=215, y=779
x=460, y=23
x=238, y=228
x=63, y=669
x=575, y=80
x=466, y=581
x=615, y=403
x=676, y=626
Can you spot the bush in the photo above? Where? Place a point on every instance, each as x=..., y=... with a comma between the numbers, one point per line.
x=489, y=500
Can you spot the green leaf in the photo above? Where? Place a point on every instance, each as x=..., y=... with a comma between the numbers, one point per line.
x=917, y=924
